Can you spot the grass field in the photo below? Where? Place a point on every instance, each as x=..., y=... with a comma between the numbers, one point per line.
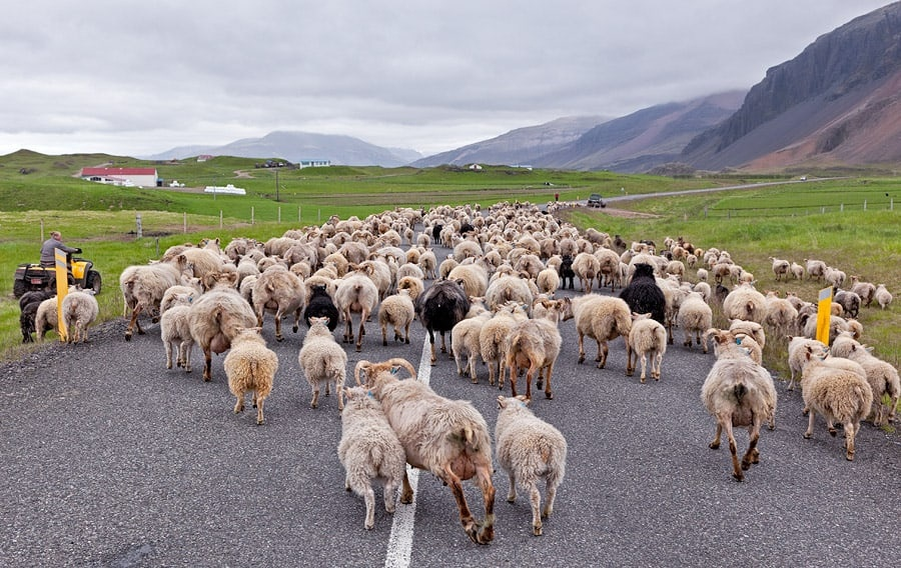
x=824, y=220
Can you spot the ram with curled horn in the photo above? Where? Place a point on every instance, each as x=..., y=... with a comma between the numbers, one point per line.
x=448, y=438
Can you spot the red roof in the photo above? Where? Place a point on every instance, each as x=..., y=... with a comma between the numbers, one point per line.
x=118, y=172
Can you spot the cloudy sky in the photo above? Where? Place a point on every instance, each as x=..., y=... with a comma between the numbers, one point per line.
x=131, y=77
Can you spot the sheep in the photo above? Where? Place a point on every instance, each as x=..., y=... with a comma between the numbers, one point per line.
x=473, y=277
x=250, y=366
x=647, y=337
x=217, y=315
x=866, y=290
x=281, y=292
x=798, y=346
x=781, y=316
x=175, y=331
x=79, y=310
x=321, y=304
x=356, y=293
x=694, y=317
x=413, y=285
x=548, y=281
x=429, y=264
x=448, y=438
x=369, y=449
x=533, y=344
x=397, y=310
x=440, y=308
x=601, y=318
x=529, y=449
x=780, y=268
x=849, y=301
x=835, y=277
x=608, y=268
x=882, y=296
x=143, y=288
x=815, y=269
x=566, y=272
x=509, y=289
x=586, y=266
x=745, y=303
x=465, y=343
x=492, y=338
x=28, y=304
x=46, y=317
x=738, y=392
x=838, y=395
x=322, y=361
x=881, y=376
x=643, y=295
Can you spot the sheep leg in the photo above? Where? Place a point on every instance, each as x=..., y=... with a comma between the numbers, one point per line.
x=407, y=333
x=644, y=361
x=434, y=358
x=529, y=374
x=385, y=334
x=389, y=489
x=135, y=312
x=715, y=444
x=473, y=376
x=602, y=354
x=362, y=330
x=258, y=402
x=239, y=405
x=348, y=328
x=511, y=494
x=315, y=402
x=207, y=364
x=551, y=491
x=850, y=432
x=185, y=353
x=809, y=431
x=514, y=374
x=483, y=478
x=369, y=499
x=752, y=455
x=278, y=325
x=548, y=393
x=582, y=348
x=733, y=450
x=169, y=355
x=655, y=367
x=406, y=494
x=443, y=343
x=535, y=501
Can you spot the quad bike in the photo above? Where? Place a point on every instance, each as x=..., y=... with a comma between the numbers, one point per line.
x=36, y=277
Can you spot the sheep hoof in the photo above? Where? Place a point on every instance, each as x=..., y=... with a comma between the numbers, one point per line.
x=549, y=395
x=127, y=336
x=806, y=436
x=279, y=338
x=384, y=343
x=738, y=476
x=536, y=530
x=713, y=445
x=581, y=359
x=832, y=432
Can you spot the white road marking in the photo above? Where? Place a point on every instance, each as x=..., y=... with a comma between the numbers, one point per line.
x=400, y=544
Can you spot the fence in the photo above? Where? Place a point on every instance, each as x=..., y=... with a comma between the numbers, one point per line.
x=797, y=210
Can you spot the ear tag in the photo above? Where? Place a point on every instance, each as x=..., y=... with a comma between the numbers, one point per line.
x=394, y=370
x=369, y=394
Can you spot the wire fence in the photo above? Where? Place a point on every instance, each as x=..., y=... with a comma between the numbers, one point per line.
x=796, y=210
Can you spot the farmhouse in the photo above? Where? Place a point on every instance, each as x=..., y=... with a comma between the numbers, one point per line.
x=314, y=163
x=127, y=177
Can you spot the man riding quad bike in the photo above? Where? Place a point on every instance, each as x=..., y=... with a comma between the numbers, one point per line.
x=42, y=276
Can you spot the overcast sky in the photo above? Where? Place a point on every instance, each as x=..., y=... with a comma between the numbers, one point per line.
x=140, y=77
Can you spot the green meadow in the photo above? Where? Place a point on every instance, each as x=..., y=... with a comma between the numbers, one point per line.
x=851, y=223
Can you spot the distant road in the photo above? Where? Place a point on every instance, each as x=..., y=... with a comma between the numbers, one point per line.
x=628, y=197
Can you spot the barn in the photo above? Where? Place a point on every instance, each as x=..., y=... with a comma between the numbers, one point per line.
x=127, y=177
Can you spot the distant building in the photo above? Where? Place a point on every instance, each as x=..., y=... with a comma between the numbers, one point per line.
x=126, y=177
x=204, y=157
x=228, y=189
x=314, y=164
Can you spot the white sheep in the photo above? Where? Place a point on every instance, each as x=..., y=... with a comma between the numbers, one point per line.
x=745, y=303
x=175, y=330
x=738, y=392
x=815, y=269
x=529, y=449
x=798, y=347
x=601, y=318
x=281, y=292
x=509, y=289
x=781, y=316
x=356, y=293
x=881, y=376
x=780, y=268
x=46, y=318
x=79, y=310
x=492, y=339
x=838, y=395
x=465, y=343
x=586, y=266
x=398, y=311
x=866, y=290
x=548, y=281
x=448, y=438
x=797, y=271
x=647, y=338
x=250, y=366
x=369, y=449
x=882, y=296
x=143, y=287
x=695, y=317
x=322, y=361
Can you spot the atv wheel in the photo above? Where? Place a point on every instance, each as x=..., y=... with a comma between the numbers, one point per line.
x=19, y=288
x=94, y=281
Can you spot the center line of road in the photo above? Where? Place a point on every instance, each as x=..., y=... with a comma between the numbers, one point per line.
x=400, y=544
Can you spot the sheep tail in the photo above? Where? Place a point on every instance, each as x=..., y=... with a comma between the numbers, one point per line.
x=739, y=390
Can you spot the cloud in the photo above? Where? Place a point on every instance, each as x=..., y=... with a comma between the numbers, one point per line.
x=137, y=77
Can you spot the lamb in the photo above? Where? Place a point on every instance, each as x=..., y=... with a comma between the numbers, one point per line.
x=566, y=271
x=414, y=285
x=440, y=308
x=369, y=449
x=535, y=345
x=839, y=395
x=881, y=376
x=397, y=310
x=745, y=303
x=797, y=271
x=835, y=277
x=322, y=361
x=321, y=304
x=356, y=293
x=175, y=331
x=79, y=310
x=738, y=392
x=695, y=317
x=448, y=438
x=465, y=343
x=429, y=264
x=882, y=296
x=281, y=292
x=492, y=339
x=601, y=318
x=643, y=295
x=217, y=315
x=780, y=268
x=250, y=366
x=46, y=318
x=815, y=269
x=646, y=338
x=529, y=449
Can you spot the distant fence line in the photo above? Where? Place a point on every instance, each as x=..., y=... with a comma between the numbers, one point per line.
x=252, y=219
x=797, y=210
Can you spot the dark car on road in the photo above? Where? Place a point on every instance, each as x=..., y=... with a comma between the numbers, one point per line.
x=594, y=200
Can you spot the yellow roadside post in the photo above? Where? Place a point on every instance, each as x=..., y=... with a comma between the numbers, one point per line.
x=62, y=288
x=824, y=311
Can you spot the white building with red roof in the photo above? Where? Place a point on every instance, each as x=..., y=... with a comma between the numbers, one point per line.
x=128, y=177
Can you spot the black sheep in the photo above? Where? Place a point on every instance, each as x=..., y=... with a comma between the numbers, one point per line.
x=319, y=305
x=440, y=308
x=644, y=295
x=29, y=303
x=566, y=272
x=436, y=233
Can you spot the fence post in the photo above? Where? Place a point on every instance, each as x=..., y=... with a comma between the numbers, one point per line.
x=705, y=211
x=841, y=208
x=299, y=218
x=139, y=229
x=864, y=204
x=319, y=217
x=279, y=213
x=220, y=219
x=251, y=214
x=184, y=222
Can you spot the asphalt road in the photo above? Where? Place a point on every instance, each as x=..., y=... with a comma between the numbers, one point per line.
x=109, y=459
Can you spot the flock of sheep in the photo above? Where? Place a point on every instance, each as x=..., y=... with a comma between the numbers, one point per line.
x=497, y=295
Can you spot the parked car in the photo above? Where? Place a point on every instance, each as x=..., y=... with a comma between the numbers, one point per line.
x=594, y=200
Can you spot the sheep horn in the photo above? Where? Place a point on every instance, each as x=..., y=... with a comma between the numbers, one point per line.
x=401, y=362
x=360, y=365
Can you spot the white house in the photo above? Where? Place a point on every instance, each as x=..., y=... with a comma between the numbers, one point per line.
x=128, y=177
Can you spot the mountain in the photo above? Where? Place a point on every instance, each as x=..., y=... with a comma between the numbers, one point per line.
x=643, y=139
x=298, y=146
x=520, y=146
x=837, y=103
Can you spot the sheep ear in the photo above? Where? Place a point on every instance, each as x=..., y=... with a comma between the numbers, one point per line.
x=501, y=402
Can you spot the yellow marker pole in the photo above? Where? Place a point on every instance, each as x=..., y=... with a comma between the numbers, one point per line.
x=824, y=311
x=62, y=288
